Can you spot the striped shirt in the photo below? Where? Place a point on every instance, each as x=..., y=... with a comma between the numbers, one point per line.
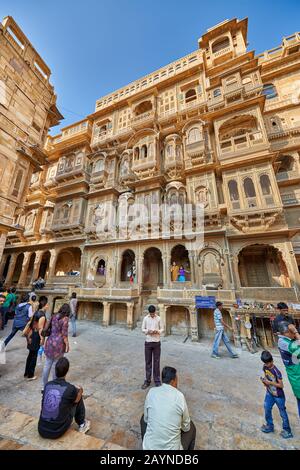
x=217, y=319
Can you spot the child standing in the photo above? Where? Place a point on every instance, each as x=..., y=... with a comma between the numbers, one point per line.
x=272, y=380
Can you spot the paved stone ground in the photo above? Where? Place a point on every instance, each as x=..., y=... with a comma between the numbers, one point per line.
x=225, y=397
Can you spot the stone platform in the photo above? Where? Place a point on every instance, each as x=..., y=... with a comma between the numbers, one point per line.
x=225, y=397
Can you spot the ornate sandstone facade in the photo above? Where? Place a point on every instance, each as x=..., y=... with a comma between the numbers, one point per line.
x=220, y=126
x=27, y=110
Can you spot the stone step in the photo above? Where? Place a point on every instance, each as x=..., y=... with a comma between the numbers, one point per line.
x=19, y=431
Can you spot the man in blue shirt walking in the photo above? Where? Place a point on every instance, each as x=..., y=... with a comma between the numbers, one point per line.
x=220, y=325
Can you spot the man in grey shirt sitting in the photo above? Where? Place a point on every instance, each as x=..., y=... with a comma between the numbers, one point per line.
x=166, y=423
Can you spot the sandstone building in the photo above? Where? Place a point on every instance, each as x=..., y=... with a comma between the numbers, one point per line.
x=220, y=126
x=27, y=110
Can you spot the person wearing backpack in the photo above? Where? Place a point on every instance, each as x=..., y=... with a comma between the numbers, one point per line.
x=23, y=313
x=34, y=338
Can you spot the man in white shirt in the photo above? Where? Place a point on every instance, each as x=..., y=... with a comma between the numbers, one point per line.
x=152, y=328
x=166, y=424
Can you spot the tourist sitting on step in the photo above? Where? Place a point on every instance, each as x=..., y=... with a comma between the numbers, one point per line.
x=166, y=423
x=62, y=402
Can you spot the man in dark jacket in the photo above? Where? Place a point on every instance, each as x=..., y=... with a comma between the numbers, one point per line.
x=282, y=316
x=22, y=315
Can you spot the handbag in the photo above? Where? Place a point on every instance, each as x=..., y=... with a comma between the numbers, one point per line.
x=47, y=330
x=27, y=328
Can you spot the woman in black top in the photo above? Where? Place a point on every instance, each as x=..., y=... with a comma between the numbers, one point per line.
x=34, y=338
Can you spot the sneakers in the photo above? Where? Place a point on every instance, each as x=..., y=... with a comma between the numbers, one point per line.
x=145, y=385
x=29, y=379
x=215, y=356
x=74, y=335
x=157, y=384
x=286, y=434
x=235, y=356
x=266, y=429
x=85, y=427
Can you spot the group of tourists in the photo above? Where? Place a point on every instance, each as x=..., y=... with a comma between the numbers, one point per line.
x=165, y=423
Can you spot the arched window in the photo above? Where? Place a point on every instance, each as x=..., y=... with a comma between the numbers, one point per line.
x=66, y=209
x=170, y=150
x=220, y=44
x=144, y=151
x=99, y=165
x=194, y=135
x=265, y=185
x=103, y=130
x=143, y=107
x=286, y=163
x=249, y=188
x=101, y=268
x=269, y=90
x=136, y=153
x=17, y=185
x=190, y=95
x=233, y=190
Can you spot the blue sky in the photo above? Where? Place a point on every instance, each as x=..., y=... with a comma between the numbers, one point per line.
x=96, y=46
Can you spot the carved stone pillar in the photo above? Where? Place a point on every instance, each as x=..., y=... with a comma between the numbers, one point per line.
x=3, y=236
x=83, y=267
x=244, y=333
x=167, y=256
x=106, y=314
x=37, y=265
x=234, y=260
x=11, y=269
x=130, y=317
x=117, y=271
x=236, y=332
x=165, y=269
x=194, y=323
x=163, y=318
x=25, y=265
x=2, y=264
x=52, y=263
x=139, y=270
x=192, y=257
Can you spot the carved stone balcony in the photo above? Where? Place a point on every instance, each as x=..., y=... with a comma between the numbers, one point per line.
x=290, y=199
x=145, y=168
x=200, y=102
x=173, y=166
x=291, y=175
x=98, y=179
x=242, y=144
x=255, y=219
x=142, y=120
x=102, y=137
x=216, y=102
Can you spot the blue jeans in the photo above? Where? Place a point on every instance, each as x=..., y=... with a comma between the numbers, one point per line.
x=13, y=332
x=73, y=321
x=221, y=335
x=270, y=401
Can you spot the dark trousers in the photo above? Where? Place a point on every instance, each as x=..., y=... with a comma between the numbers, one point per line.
x=14, y=331
x=187, y=438
x=4, y=316
x=30, y=364
x=152, y=360
x=78, y=412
